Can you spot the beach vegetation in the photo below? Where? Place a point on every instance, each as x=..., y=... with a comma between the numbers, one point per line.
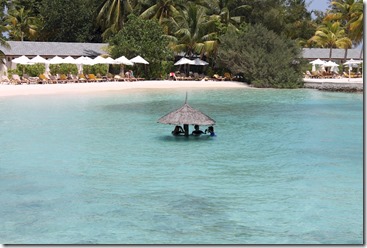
x=20, y=24
x=112, y=14
x=161, y=30
x=264, y=58
x=32, y=70
x=331, y=35
x=64, y=69
x=145, y=38
x=69, y=21
x=193, y=32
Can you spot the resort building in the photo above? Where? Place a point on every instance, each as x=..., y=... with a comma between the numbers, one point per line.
x=337, y=55
x=63, y=49
x=48, y=50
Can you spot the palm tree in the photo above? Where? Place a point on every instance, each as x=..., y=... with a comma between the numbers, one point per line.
x=224, y=11
x=193, y=33
x=331, y=35
x=112, y=15
x=356, y=24
x=20, y=25
x=163, y=9
x=350, y=14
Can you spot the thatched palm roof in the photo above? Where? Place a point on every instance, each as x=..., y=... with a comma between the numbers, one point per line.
x=187, y=115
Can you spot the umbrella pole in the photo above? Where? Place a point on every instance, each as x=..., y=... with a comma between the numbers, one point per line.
x=186, y=128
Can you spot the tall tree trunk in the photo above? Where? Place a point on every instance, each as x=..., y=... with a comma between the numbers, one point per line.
x=345, y=55
x=331, y=49
x=360, y=54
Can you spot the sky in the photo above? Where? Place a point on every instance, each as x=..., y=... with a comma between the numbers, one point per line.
x=320, y=5
x=317, y=4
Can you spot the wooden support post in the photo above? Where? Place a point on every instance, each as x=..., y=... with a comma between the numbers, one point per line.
x=186, y=128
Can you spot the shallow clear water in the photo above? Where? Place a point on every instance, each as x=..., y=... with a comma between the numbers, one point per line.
x=286, y=167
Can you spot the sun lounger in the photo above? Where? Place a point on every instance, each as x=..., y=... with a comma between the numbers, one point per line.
x=93, y=78
x=5, y=80
x=82, y=78
x=15, y=79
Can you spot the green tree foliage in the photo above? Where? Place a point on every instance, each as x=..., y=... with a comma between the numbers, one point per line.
x=21, y=25
x=350, y=14
x=193, y=32
x=331, y=35
x=69, y=21
x=112, y=15
x=144, y=38
x=263, y=57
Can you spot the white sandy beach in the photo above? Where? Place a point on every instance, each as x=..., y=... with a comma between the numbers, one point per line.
x=333, y=80
x=42, y=89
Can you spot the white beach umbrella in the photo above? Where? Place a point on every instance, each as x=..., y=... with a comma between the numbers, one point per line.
x=184, y=61
x=84, y=61
x=110, y=60
x=69, y=60
x=198, y=61
x=123, y=60
x=330, y=64
x=23, y=60
x=38, y=59
x=100, y=60
x=352, y=63
x=106, y=61
x=139, y=60
x=318, y=62
x=55, y=60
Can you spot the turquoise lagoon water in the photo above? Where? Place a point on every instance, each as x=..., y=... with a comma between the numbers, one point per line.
x=286, y=167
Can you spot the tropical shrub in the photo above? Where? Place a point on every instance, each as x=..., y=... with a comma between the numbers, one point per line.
x=264, y=58
x=63, y=69
x=144, y=38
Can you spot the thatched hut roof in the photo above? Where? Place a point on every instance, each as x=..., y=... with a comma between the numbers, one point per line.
x=187, y=115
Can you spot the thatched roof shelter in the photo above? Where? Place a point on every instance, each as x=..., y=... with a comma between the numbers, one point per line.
x=187, y=115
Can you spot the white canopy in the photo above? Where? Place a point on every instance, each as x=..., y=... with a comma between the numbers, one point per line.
x=38, y=59
x=198, y=61
x=330, y=64
x=318, y=62
x=123, y=60
x=139, y=60
x=110, y=60
x=56, y=60
x=23, y=60
x=101, y=60
x=69, y=60
x=84, y=61
x=184, y=61
x=353, y=62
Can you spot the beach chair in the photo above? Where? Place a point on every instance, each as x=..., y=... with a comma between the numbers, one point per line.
x=216, y=77
x=307, y=74
x=31, y=80
x=5, y=80
x=53, y=79
x=81, y=78
x=66, y=79
x=43, y=79
x=93, y=78
x=15, y=79
x=119, y=78
x=227, y=76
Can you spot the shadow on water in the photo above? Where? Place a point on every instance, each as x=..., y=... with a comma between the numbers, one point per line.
x=182, y=138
